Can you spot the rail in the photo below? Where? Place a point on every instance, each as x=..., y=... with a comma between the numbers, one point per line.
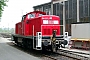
x=75, y=55
x=69, y=54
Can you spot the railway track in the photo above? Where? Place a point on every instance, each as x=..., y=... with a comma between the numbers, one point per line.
x=5, y=35
x=62, y=54
x=74, y=55
x=57, y=57
x=66, y=55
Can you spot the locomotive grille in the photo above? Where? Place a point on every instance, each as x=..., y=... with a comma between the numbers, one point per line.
x=46, y=31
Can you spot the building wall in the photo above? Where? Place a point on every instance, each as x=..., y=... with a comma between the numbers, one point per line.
x=44, y=7
x=70, y=12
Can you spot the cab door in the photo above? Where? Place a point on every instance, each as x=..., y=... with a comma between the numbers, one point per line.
x=23, y=24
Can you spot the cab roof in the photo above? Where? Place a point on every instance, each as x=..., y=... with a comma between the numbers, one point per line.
x=37, y=12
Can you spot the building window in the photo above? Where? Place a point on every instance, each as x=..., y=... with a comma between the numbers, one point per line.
x=37, y=9
x=66, y=10
x=47, y=9
x=74, y=10
x=54, y=9
x=61, y=22
x=81, y=10
x=70, y=9
x=61, y=12
x=86, y=7
x=58, y=9
x=89, y=9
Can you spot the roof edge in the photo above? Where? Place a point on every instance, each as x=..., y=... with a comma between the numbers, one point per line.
x=42, y=4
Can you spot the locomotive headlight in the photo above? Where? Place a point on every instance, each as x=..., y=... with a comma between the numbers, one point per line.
x=45, y=21
x=56, y=22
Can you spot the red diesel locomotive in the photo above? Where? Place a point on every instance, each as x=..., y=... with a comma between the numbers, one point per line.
x=38, y=31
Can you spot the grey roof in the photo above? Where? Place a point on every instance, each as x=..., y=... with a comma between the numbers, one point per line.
x=42, y=4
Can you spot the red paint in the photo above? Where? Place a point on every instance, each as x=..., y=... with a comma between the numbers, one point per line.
x=50, y=23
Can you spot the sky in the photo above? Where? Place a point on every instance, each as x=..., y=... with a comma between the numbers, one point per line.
x=15, y=9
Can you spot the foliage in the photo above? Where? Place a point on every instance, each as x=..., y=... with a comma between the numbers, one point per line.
x=2, y=4
x=7, y=30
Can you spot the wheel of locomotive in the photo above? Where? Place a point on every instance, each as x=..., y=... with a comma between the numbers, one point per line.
x=43, y=48
x=65, y=42
x=16, y=41
x=24, y=43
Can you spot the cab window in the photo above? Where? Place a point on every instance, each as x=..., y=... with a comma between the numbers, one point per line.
x=31, y=16
x=23, y=17
x=40, y=14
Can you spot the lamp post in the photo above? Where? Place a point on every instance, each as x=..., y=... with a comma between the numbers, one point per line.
x=51, y=7
x=77, y=10
x=64, y=18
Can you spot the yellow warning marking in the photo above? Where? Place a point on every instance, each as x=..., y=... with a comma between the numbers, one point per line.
x=76, y=39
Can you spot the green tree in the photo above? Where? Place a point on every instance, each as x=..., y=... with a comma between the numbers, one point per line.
x=2, y=4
